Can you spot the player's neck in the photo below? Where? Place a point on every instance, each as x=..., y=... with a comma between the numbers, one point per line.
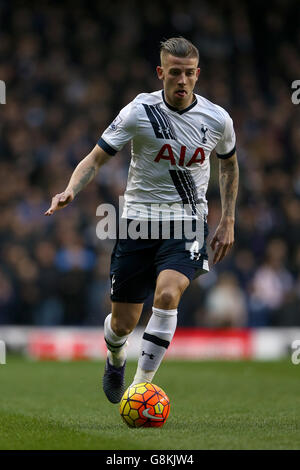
x=178, y=106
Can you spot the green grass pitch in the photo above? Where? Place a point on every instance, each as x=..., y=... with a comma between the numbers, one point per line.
x=214, y=405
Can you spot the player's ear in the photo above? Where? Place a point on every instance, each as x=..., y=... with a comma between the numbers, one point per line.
x=198, y=72
x=160, y=72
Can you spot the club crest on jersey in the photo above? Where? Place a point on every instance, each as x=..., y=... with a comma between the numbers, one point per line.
x=161, y=130
x=204, y=130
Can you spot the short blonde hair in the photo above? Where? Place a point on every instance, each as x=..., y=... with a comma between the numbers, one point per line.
x=178, y=47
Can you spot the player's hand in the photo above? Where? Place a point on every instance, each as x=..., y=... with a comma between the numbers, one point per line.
x=60, y=201
x=223, y=239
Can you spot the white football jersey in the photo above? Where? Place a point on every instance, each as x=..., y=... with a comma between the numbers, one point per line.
x=170, y=152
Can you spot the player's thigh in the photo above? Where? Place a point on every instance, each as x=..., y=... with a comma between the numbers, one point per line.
x=170, y=286
x=125, y=317
x=132, y=271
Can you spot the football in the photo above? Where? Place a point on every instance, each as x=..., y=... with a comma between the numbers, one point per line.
x=145, y=405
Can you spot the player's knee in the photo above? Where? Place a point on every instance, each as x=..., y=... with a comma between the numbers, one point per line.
x=120, y=330
x=123, y=331
x=166, y=298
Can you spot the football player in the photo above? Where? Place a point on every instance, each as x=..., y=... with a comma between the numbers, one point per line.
x=172, y=132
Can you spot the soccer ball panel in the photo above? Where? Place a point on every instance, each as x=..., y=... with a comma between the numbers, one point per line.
x=126, y=409
x=140, y=389
x=148, y=395
x=135, y=405
x=140, y=422
x=152, y=387
x=122, y=405
x=128, y=421
x=158, y=408
x=137, y=397
x=130, y=391
x=134, y=414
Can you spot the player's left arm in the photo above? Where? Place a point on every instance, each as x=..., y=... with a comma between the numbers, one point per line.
x=223, y=238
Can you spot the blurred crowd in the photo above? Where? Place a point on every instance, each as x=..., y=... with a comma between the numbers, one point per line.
x=69, y=68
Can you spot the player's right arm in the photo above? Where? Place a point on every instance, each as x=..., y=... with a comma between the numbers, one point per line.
x=121, y=131
x=85, y=171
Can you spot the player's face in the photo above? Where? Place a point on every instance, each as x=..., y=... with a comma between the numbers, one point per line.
x=179, y=75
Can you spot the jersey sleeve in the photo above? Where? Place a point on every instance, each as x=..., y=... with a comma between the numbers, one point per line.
x=120, y=131
x=226, y=146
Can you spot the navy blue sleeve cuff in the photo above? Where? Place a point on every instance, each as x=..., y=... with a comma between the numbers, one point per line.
x=227, y=155
x=107, y=148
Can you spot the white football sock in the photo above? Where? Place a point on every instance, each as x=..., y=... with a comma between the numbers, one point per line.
x=156, y=339
x=142, y=376
x=116, y=345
